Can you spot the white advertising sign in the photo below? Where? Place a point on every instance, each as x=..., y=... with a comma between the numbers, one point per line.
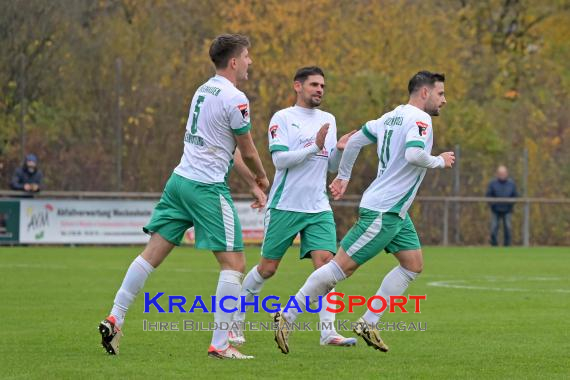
x=46, y=221
x=84, y=221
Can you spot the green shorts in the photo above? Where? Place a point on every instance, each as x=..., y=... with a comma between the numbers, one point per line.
x=376, y=231
x=208, y=208
x=318, y=232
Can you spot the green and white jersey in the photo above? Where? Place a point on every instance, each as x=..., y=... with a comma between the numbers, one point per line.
x=218, y=112
x=397, y=183
x=301, y=188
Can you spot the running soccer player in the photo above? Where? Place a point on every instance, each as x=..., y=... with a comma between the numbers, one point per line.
x=405, y=139
x=197, y=193
x=303, y=146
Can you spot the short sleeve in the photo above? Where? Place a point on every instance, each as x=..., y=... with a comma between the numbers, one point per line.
x=370, y=129
x=277, y=134
x=419, y=131
x=239, y=114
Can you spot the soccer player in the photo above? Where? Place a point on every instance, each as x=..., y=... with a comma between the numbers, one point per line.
x=197, y=193
x=405, y=138
x=303, y=146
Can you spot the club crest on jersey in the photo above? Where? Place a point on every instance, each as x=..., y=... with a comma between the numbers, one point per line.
x=273, y=131
x=243, y=109
x=422, y=128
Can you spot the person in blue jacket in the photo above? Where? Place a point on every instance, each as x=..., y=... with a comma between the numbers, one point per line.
x=501, y=187
x=27, y=177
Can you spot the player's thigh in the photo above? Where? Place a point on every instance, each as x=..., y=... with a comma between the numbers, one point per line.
x=170, y=219
x=406, y=239
x=281, y=228
x=370, y=235
x=318, y=234
x=231, y=260
x=216, y=223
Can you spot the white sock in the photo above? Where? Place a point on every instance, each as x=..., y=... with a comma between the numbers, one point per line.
x=132, y=284
x=327, y=318
x=251, y=286
x=394, y=284
x=319, y=283
x=229, y=284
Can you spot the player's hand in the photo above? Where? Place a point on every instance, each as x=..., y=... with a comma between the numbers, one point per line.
x=448, y=158
x=260, y=199
x=338, y=188
x=341, y=143
x=263, y=183
x=322, y=135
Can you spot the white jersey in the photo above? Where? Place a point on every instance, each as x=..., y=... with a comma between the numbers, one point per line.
x=218, y=112
x=397, y=183
x=301, y=188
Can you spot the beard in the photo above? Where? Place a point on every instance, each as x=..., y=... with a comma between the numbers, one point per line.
x=432, y=110
x=313, y=102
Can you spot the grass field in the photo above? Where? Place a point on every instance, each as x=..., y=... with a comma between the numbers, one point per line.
x=490, y=313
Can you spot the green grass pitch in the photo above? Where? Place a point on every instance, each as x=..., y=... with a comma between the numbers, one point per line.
x=490, y=313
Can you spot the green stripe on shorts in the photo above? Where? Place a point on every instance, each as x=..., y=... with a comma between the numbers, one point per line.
x=376, y=231
x=208, y=207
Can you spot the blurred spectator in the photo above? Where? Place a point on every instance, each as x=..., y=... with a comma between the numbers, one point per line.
x=501, y=187
x=27, y=177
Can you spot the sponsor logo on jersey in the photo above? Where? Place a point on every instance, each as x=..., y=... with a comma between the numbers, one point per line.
x=273, y=131
x=243, y=108
x=422, y=128
x=323, y=153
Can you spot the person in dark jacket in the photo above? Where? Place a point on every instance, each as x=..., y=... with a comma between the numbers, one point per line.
x=501, y=187
x=27, y=177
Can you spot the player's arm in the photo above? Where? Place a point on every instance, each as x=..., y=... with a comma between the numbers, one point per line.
x=288, y=159
x=419, y=157
x=336, y=154
x=251, y=159
x=416, y=139
x=278, y=137
x=238, y=111
x=356, y=142
x=247, y=176
x=350, y=154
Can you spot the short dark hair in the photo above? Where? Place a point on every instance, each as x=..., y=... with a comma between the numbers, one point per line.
x=304, y=72
x=227, y=46
x=424, y=78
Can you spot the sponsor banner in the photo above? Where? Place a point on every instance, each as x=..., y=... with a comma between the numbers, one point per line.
x=84, y=221
x=9, y=221
x=103, y=221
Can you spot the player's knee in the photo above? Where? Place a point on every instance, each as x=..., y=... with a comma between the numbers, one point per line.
x=416, y=266
x=321, y=259
x=266, y=271
x=240, y=267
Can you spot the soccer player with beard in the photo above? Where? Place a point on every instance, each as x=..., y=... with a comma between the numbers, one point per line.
x=303, y=146
x=404, y=137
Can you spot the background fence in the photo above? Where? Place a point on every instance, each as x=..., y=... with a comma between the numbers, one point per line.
x=439, y=220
